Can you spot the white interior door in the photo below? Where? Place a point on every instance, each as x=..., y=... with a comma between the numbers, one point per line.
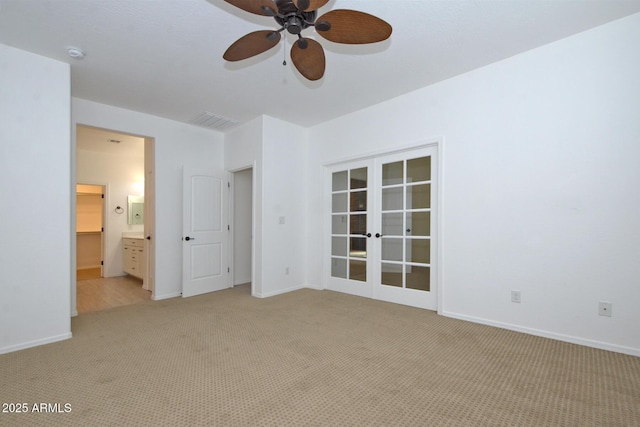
x=350, y=225
x=204, y=243
x=405, y=212
x=381, y=222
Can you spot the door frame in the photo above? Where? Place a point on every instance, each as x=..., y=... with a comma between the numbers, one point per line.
x=438, y=143
x=232, y=224
x=104, y=220
x=149, y=142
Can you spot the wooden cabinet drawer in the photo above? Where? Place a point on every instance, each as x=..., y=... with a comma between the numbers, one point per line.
x=133, y=242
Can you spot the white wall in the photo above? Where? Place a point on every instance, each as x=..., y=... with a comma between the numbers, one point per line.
x=177, y=144
x=284, y=198
x=36, y=197
x=243, y=149
x=539, y=185
x=122, y=173
x=277, y=150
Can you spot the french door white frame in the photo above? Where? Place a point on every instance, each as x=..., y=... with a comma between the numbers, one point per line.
x=371, y=288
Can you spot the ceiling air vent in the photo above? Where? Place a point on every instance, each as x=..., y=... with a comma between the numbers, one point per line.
x=213, y=121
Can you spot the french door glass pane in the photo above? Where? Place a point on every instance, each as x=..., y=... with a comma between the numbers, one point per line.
x=358, y=224
x=359, y=178
x=339, y=267
x=419, y=223
x=392, y=199
x=339, y=202
x=392, y=173
x=392, y=224
x=392, y=249
x=419, y=196
x=419, y=169
x=339, y=246
x=339, y=181
x=358, y=247
x=358, y=201
x=358, y=270
x=391, y=274
x=418, y=277
x=338, y=224
x=418, y=250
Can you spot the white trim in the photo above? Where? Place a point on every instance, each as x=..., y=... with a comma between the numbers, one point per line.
x=231, y=172
x=546, y=334
x=166, y=296
x=436, y=143
x=422, y=143
x=232, y=227
x=440, y=226
x=279, y=291
x=35, y=343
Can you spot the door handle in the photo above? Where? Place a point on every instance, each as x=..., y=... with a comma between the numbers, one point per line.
x=378, y=235
x=367, y=234
x=148, y=237
x=189, y=238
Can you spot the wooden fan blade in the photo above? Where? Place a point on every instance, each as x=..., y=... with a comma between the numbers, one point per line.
x=251, y=45
x=312, y=4
x=353, y=27
x=255, y=6
x=310, y=61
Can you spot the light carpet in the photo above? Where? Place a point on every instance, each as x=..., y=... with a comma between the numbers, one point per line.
x=311, y=358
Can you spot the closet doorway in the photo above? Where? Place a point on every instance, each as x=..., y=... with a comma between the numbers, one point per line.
x=89, y=231
x=241, y=247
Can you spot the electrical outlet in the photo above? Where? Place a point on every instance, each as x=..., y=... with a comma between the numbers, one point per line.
x=605, y=308
x=516, y=296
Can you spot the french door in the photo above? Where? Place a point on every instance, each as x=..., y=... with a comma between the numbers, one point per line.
x=382, y=228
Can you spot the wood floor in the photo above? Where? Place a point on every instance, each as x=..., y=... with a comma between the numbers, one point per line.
x=95, y=294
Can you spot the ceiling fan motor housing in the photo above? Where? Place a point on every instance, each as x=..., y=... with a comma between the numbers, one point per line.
x=293, y=19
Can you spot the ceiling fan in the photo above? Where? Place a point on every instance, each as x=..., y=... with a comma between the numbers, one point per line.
x=339, y=26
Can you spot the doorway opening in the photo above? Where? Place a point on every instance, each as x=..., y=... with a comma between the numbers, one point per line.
x=242, y=227
x=89, y=231
x=120, y=166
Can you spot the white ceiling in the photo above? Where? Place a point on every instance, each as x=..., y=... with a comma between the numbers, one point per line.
x=164, y=57
x=108, y=142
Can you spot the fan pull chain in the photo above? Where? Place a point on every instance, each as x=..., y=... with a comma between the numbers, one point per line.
x=284, y=51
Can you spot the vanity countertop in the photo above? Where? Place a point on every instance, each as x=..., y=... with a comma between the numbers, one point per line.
x=132, y=235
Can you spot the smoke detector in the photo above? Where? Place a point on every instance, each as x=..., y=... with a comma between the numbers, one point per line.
x=75, y=52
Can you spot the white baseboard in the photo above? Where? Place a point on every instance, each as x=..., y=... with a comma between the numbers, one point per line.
x=166, y=296
x=547, y=334
x=35, y=343
x=278, y=292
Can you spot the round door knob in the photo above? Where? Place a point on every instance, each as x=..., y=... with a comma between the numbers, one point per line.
x=378, y=235
x=368, y=234
x=189, y=238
